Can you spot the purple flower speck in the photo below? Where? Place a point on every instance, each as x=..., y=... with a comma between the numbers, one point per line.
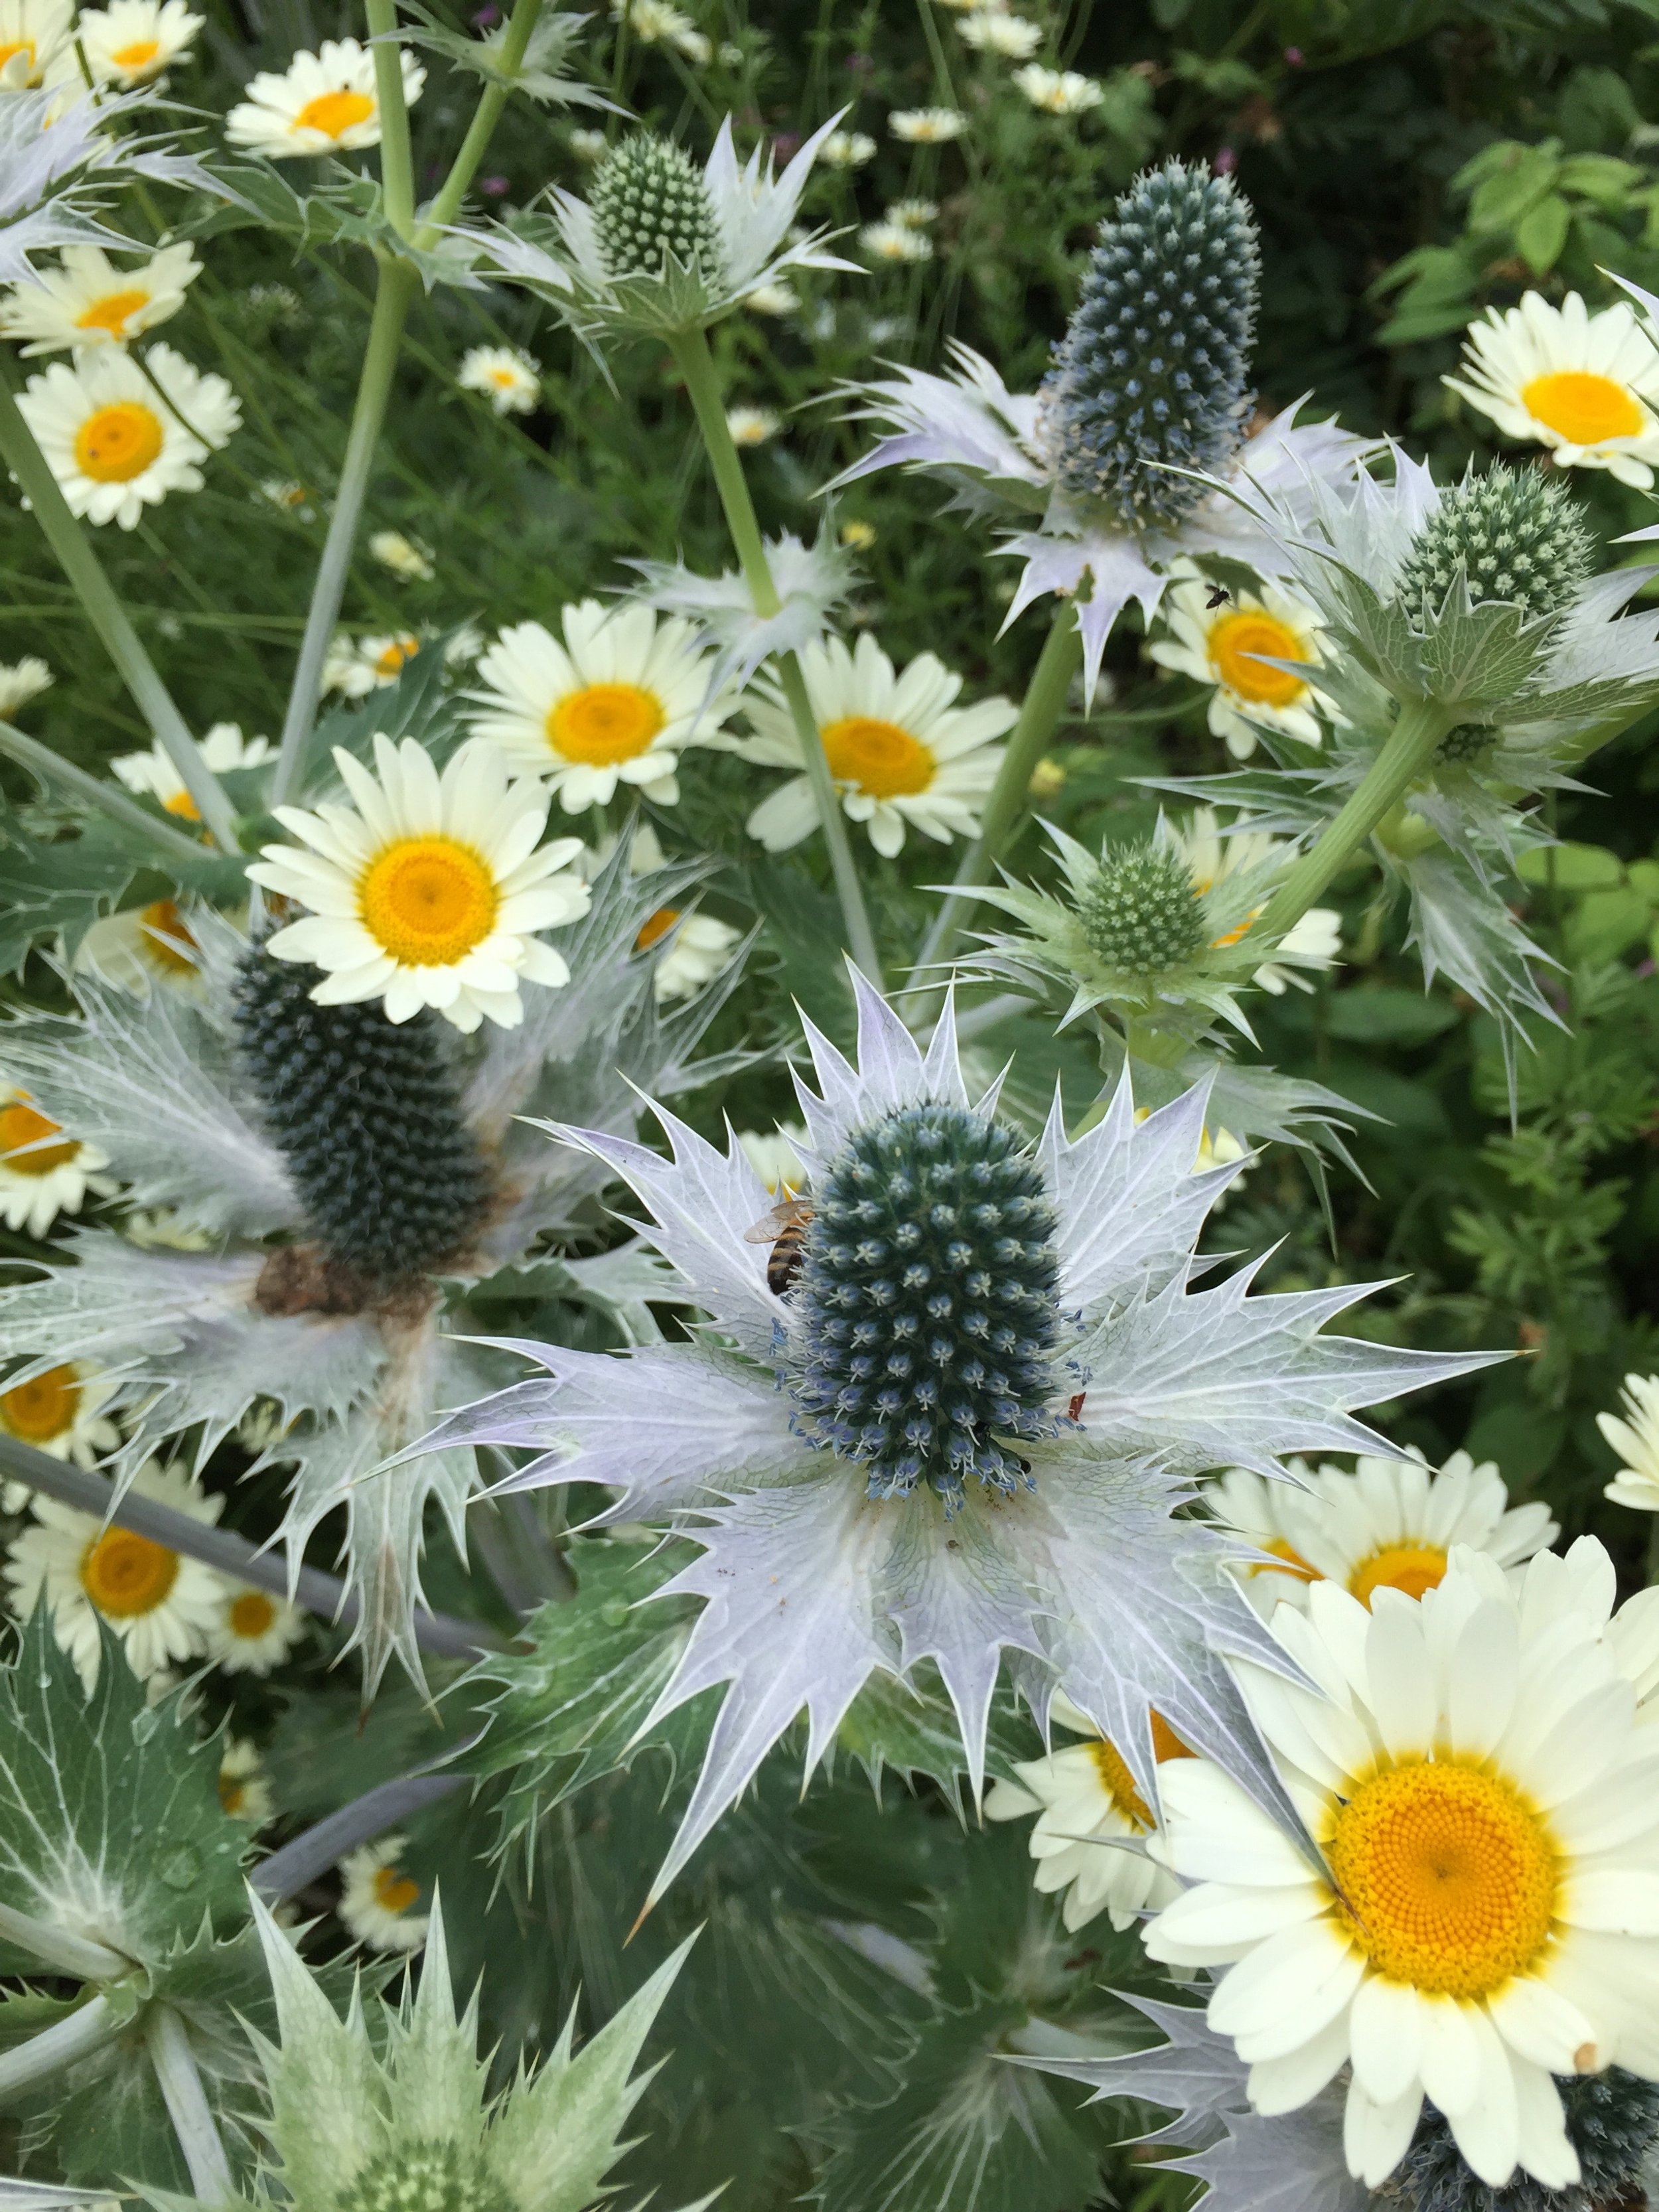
x=1223, y=161
x=484, y=16
x=1293, y=56
x=785, y=143
x=492, y=187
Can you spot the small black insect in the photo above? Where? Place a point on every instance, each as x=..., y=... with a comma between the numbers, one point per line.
x=1219, y=597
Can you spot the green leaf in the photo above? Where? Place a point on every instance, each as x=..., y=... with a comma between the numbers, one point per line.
x=1571, y=867
x=1382, y=1013
x=1502, y=198
x=540, y=76
x=1607, y=923
x=915, y=1731
x=48, y=890
x=1542, y=231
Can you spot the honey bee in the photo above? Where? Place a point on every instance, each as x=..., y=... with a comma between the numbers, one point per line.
x=785, y=1229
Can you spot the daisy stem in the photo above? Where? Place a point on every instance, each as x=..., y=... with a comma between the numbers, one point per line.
x=109, y=798
x=86, y=2029
x=1039, y=717
x=447, y=205
x=397, y=160
x=394, y=292
x=188, y=2109
x=696, y=365
x=1406, y=754
x=109, y=618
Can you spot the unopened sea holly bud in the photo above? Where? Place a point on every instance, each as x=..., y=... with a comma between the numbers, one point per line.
x=650, y=205
x=1612, y=2122
x=366, y=1113
x=1151, y=376
x=1512, y=533
x=1142, y=914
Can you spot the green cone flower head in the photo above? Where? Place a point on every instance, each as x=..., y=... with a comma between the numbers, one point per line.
x=1513, y=534
x=1142, y=913
x=1612, y=2121
x=367, y=1115
x=651, y=209
x=1152, y=373
x=396, y=2118
x=927, y=1302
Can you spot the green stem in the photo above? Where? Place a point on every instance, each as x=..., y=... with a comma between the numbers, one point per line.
x=110, y=798
x=1409, y=748
x=188, y=2109
x=81, y=1957
x=447, y=205
x=696, y=365
x=393, y=294
x=1039, y=717
x=86, y=2029
x=397, y=160
x=109, y=618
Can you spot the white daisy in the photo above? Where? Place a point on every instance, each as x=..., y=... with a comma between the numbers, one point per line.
x=1058, y=92
x=251, y=1630
x=116, y=444
x=618, y=700
x=1088, y=1839
x=927, y=126
x=59, y=1412
x=88, y=301
x=43, y=1173
x=33, y=34
x=376, y=1897
x=654, y=23
x=159, y=1602
x=912, y=214
x=773, y=299
x=402, y=555
x=1265, y=1513
x=130, y=42
x=1212, y=854
x=429, y=894
x=509, y=378
x=1482, y=1916
x=223, y=749
x=848, y=150
x=995, y=31
x=1635, y=1438
x=357, y=666
x=774, y=1155
x=1229, y=646
x=321, y=103
x=244, y=1790
x=896, y=242
x=752, y=426
x=901, y=750
x=1391, y=1524
x=1586, y=386
x=141, y=947
x=20, y=682
x=700, y=949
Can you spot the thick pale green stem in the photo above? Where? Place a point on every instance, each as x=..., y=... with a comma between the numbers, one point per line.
x=447, y=205
x=1039, y=717
x=77, y=1956
x=86, y=2029
x=176, y=849
x=188, y=2109
x=395, y=291
x=1409, y=748
x=397, y=161
x=696, y=365
x=109, y=618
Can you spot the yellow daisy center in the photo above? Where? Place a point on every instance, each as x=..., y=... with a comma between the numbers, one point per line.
x=1583, y=408
x=114, y=311
x=1116, y=1779
x=882, y=760
x=1250, y=630
x=504, y=379
x=656, y=927
x=1290, y=1563
x=390, y=659
x=605, y=723
x=334, y=114
x=18, y=46
x=138, y=55
x=127, y=1575
x=233, y=1792
x=20, y=1127
x=395, y=1890
x=119, y=443
x=1413, y=1568
x=40, y=1410
x=1447, y=1878
x=166, y=938
x=428, y=901
x=251, y=1615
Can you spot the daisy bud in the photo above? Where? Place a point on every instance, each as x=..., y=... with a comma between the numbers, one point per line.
x=927, y=1302
x=1142, y=914
x=366, y=1114
x=1513, y=535
x=650, y=202
x=1613, y=2119
x=1151, y=374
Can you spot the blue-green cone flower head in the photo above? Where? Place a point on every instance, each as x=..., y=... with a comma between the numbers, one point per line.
x=1512, y=535
x=1612, y=2122
x=1151, y=375
x=1142, y=912
x=653, y=213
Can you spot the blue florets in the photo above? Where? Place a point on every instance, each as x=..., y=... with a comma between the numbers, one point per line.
x=1152, y=373
x=1611, y=2120
x=927, y=1303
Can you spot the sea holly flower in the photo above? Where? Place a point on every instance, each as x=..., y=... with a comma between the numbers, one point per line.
x=115, y=443
x=321, y=103
x=901, y=750
x=1470, y=1769
x=1237, y=643
x=1100, y=471
x=660, y=246
x=1585, y=386
x=88, y=301
x=962, y=1425
x=615, y=699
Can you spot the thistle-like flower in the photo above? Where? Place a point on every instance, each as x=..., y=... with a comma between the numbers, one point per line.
x=963, y=1424
x=660, y=246
x=1148, y=397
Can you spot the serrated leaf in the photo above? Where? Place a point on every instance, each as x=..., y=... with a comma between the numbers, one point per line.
x=540, y=75
x=915, y=1731
x=51, y=890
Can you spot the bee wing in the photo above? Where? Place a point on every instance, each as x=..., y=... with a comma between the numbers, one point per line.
x=770, y=1227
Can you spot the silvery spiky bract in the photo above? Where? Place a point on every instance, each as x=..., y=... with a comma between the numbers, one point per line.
x=55, y=150
x=1080, y=1573
x=1149, y=383
x=354, y=1366
x=811, y=581
x=751, y=211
